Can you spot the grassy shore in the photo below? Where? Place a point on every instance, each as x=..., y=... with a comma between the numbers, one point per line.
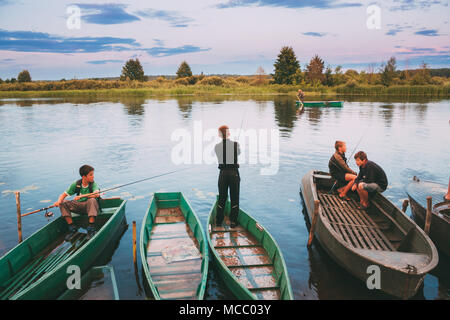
x=96, y=88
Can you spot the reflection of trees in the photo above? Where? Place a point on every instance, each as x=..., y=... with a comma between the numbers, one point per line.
x=421, y=111
x=133, y=104
x=314, y=115
x=387, y=113
x=285, y=113
x=185, y=106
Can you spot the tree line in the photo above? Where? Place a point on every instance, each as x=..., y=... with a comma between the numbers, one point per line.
x=287, y=71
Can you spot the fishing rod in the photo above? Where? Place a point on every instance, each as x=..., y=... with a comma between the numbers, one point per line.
x=109, y=189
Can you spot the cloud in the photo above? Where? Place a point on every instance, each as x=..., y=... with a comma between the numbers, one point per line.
x=5, y=2
x=396, y=28
x=419, y=51
x=108, y=13
x=103, y=61
x=315, y=34
x=293, y=4
x=164, y=52
x=30, y=41
x=428, y=33
x=405, y=5
x=176, y=20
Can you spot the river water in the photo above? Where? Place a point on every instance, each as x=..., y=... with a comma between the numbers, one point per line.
x=45, y=141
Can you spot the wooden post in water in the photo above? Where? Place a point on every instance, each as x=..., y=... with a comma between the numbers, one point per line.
x=428, y=218
x=134, y=242
x=405, y=205
x=19, y=216
x=313, y=222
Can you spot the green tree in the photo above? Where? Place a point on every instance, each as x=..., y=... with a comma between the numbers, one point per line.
x=422, y=76
x=314, y=71
x=132, y=70
x=24, y=76
x=388, y=72
x=286, y=66
x=184, y=70
x=328, y=77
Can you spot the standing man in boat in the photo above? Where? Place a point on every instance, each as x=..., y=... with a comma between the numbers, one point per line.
x=339, y=169
x=227, y=152
x=82, y=205
x=301, y=98
x=371, y=179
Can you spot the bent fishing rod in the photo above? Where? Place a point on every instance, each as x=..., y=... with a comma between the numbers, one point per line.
x=109, y=189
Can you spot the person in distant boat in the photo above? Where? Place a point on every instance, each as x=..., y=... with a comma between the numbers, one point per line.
x=300, y=96
x=371, y=179
x=447, y=196
x=82, y=205
x=339, y=169
x=227, y=152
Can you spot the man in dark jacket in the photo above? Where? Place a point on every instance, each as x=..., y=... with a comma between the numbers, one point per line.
x=227, y=152
x=371, y=178
x=339, y=170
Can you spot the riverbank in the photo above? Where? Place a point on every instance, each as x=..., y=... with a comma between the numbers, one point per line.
x=75, y=88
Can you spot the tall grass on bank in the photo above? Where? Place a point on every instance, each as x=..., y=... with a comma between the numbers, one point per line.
x=206, y=86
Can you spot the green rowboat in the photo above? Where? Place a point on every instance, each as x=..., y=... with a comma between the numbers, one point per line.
x=99, y=283
x=173, y=249
x=379, y=238
x=248, y=259
x=316, y=104
x=39, y=267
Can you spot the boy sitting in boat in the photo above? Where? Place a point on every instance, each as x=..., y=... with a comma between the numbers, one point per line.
x=81, y=205
x=371, y=179
x=339, y=170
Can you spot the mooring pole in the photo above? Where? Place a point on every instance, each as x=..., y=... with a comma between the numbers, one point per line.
x=313, y=222
x=19, y=216
x=428, y=218
x=134, y=242
x=405, y=205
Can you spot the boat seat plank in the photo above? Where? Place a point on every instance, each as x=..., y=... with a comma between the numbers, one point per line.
x=355, y=227
x=397, y=259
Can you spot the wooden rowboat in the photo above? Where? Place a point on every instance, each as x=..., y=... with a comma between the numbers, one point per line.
x=248, y=259
x=418, y=191
x=313, y=104
x=383, y=236
x=38, y=268
x=173, y=249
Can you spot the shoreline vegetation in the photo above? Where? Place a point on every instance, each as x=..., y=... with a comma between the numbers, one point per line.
x=315, y=80
x=223, y=86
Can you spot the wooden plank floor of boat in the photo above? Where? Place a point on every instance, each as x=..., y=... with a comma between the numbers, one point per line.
x=247, y=260
x=179, y=279
x=356, y=227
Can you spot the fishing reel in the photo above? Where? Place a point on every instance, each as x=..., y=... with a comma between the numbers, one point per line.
x=48, y=215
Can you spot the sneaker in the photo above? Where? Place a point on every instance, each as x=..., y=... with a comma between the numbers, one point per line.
x=72, y=232
x=90, y=231
x=233, y=225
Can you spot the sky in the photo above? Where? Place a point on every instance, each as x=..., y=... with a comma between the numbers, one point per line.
x=56, y=39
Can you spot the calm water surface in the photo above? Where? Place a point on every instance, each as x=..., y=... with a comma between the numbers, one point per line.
x=44, y=142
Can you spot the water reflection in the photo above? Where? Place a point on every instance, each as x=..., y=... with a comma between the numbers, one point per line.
x=285, y=114
x=185, y=106
x=387, y=113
